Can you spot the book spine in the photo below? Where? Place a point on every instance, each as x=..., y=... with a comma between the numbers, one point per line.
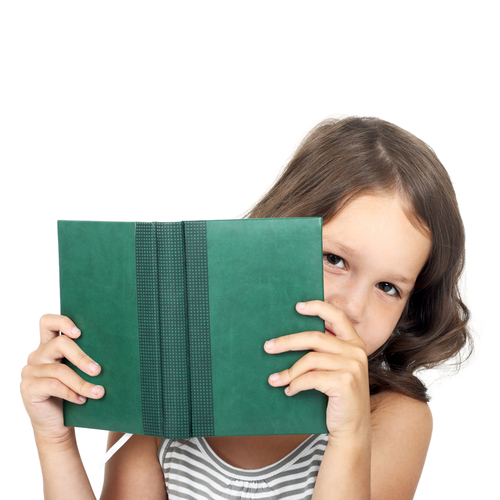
x=200, y=358
x=149, y=328
x=174, y=330
x=163, y=330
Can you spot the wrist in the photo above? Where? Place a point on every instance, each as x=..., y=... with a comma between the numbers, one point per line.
x=356, y=439
x=345, y=468
x=56, y=441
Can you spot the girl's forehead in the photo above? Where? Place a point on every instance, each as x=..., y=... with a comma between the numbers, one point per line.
x=375, y=228
x=369, y=210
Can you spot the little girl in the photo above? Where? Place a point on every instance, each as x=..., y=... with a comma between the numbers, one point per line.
x=393, y=245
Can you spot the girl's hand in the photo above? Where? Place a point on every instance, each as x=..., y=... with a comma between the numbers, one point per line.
x=46, y=381
x=337, y=366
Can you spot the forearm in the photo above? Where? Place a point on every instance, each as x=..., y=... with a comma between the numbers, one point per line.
x=345, y=469
x=64, y=476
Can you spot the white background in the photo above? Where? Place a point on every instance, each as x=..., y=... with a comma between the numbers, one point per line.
x=188, y=110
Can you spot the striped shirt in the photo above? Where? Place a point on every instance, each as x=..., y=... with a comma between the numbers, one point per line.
x=193, y=471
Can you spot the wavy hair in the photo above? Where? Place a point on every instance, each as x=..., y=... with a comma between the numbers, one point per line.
x=342, y=159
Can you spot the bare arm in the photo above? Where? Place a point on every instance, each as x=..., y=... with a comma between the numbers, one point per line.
x=345, y=470
x=402, y=429
x=64, y=476
x=45, y=383
x=387, y=466
x=134, y=471
x=370, y=455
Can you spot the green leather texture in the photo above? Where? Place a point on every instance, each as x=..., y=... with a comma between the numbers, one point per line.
x=258, y=270
x=177, y=315
x=98, y=292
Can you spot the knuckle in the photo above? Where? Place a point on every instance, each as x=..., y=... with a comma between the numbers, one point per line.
x=25, y=389
x=282, y=343
x=310, y=359
x=317, y=336
x=52, y=385
x=68, y=394
x=43, y=320
x=342, y=314
x=314, y=304
x=316, y=379
x=83, y=387
x=360, y=354
x=362, y=345
x=55, y=321
x=31, y=358
x=23, y=386
x=59, y=370
x=66, y=323
x=357, y=368
x=80, y=358
x=288, y=374
x=25, y=372
x=347, y=379
x=62, y=342
x=26, y=385
x=58, y=341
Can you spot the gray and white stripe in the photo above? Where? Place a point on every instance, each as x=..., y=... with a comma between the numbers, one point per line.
x=193, y=471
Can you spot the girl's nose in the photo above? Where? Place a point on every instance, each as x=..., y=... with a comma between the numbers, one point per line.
x=352, y=300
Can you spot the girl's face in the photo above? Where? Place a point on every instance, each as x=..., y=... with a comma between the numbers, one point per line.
x=372, y=255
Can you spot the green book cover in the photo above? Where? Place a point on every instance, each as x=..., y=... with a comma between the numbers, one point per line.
x=177, y=314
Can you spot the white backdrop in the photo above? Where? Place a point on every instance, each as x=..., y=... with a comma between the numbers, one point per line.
x=188, y=110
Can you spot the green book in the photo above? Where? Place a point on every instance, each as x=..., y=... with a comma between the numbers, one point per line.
x=177, y=314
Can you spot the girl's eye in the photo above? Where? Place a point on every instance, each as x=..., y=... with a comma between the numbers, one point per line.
x=334, y=260
x=388, y=288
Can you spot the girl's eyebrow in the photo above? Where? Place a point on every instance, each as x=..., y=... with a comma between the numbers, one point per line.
x=345, y=250
x=342, y=248
x=403, y=280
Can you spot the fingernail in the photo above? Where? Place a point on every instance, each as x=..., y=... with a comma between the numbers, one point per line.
x=301, y=305
x=270, y=344
x=93, y=367
x=96, y=390
x=274, y=377
x=82, y=399
x=287, y=390
x=75, y=331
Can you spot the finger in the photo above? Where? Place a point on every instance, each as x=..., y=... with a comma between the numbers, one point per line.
x=67, y=377
x=312, y=361
x=39, y=390
x=322, y=381
x=52, y=324
x=340, y=324
x=330, y=383
x=63, y=347
x=305, y=341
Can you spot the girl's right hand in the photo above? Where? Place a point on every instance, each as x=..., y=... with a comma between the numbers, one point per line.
x=46, y=381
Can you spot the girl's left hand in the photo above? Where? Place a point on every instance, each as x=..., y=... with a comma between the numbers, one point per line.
x=337, y=366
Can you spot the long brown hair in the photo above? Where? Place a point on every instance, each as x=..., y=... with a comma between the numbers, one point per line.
x=342, y=159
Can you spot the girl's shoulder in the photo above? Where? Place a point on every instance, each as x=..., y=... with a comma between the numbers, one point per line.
x=401, y=434
x=392, y=408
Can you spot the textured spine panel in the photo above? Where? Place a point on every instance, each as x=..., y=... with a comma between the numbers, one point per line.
x=174, y=331
x=149, y=328
x=195, y=234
